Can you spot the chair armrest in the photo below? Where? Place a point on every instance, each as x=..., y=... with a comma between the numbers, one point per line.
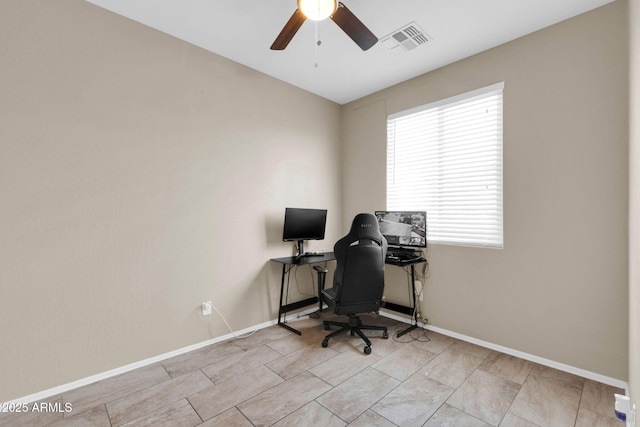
x=322, y=274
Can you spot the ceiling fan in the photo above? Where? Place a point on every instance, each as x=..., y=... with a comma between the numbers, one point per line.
x=318, y=10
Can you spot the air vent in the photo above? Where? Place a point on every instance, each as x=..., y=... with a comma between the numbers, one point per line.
x=406, y=38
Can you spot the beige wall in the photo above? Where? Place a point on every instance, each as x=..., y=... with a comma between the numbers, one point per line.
x=634, y=202
x=128, y=158
x=558, y=289
x=140, y=176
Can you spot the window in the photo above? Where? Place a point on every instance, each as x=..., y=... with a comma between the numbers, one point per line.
x=446, y=158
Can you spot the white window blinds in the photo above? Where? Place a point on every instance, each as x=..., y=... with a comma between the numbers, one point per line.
x=446, y=158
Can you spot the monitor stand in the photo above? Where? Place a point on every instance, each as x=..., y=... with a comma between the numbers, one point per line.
x=301, y=253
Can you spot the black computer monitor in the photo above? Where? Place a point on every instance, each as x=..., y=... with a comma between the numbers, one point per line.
x=404, y=228
x=302, y=224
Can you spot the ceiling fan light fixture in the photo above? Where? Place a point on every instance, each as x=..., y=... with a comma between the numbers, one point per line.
x=317, y=10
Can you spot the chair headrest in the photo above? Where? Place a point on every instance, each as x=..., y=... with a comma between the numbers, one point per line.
x=365, y=225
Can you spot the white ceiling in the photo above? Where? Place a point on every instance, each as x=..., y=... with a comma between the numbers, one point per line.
x=243, y=30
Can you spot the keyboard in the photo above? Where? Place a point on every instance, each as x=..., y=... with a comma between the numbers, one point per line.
x=403, y=257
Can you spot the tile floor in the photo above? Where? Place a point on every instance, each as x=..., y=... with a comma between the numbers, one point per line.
x=275, y=377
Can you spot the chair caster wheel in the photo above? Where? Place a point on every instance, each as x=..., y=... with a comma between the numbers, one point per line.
x=325, y=343
x=367, y=349
x=385, y=335
x=352, y=333
x=327, y=327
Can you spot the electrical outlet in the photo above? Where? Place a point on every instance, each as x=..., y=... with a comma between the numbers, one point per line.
x=206, y=308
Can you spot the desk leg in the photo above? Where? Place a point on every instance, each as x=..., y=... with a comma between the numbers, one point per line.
x=295, y=331
x=281, y=311
x=413, y=298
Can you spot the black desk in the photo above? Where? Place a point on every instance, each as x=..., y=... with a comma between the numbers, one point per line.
x=411, y=311
x=289, y=263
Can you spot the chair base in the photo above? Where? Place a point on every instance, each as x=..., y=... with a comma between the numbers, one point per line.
x=354, y=326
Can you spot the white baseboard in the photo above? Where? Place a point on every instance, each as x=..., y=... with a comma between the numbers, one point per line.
x=517, y=353
x=130, y=367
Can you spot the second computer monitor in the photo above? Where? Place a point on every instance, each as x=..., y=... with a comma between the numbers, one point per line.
x=404, y=228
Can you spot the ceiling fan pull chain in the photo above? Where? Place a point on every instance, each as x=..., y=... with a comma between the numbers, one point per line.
x=317, y=45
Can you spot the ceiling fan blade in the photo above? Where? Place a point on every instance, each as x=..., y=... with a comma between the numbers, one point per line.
x=289, y=30
x=354, y=28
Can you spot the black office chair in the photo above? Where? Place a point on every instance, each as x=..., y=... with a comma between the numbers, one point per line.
x=358, y=281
